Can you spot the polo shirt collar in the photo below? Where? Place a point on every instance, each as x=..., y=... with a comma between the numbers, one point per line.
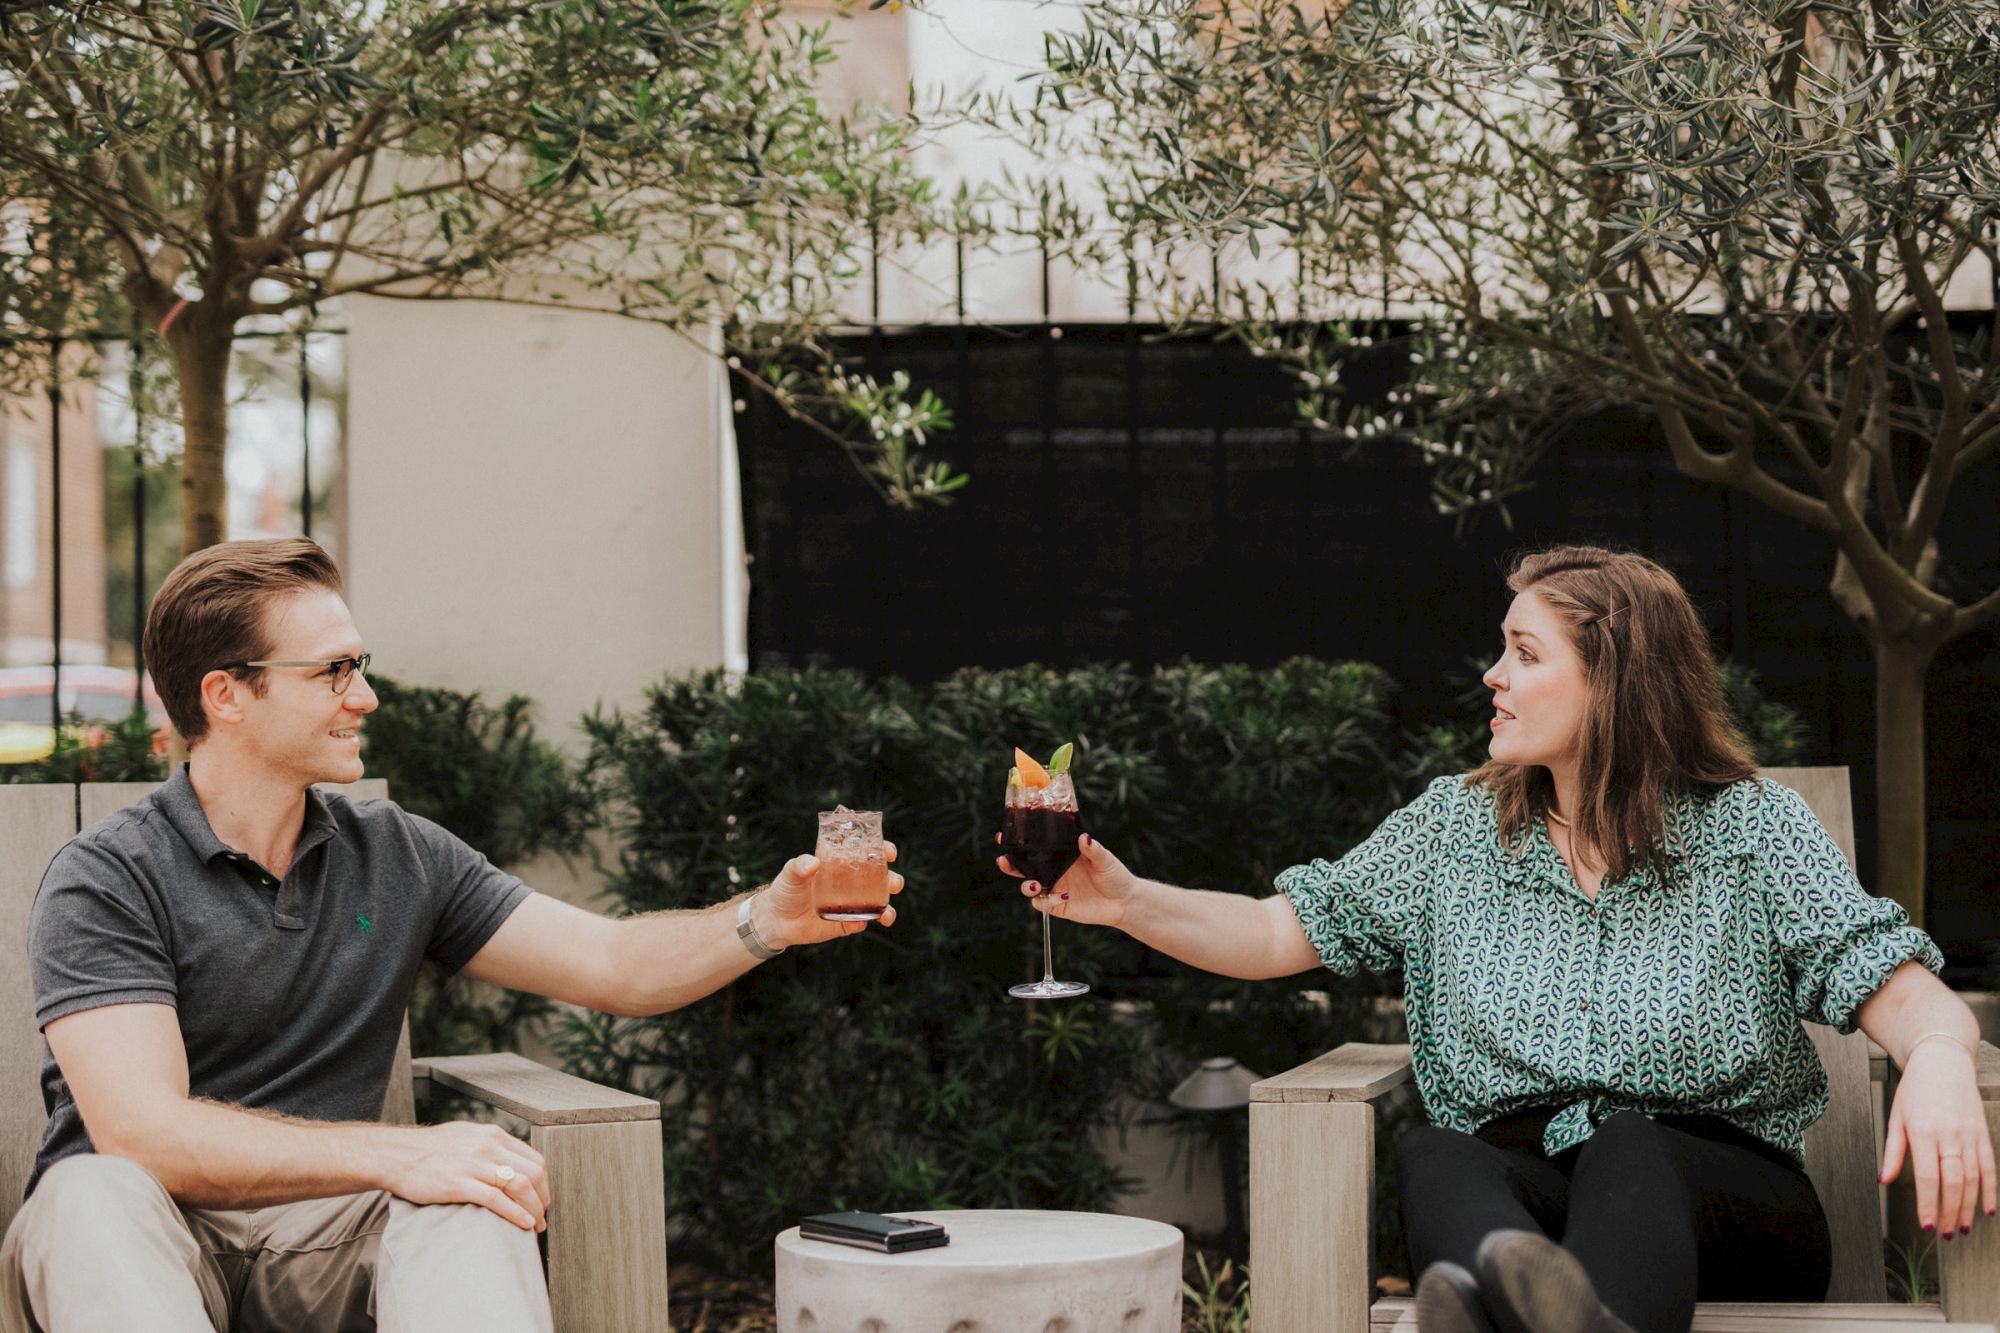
x=178, y=802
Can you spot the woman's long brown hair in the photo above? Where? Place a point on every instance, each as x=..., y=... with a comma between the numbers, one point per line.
x=1654, y=724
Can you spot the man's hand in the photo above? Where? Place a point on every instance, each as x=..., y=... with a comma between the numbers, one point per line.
x=783, y=909
x=461, y=1162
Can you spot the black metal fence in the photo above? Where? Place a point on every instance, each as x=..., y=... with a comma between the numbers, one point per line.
x=57, y=384
x=1142, y=497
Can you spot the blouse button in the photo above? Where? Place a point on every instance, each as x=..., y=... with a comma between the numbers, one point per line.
x=1583, y=1005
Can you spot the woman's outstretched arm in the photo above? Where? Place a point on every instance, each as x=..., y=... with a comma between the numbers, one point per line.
x=1225, y=933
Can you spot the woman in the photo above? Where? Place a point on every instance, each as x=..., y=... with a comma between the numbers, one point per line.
x=1609, y=935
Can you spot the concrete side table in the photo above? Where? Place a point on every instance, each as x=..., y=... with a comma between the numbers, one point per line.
x=1005, y=1271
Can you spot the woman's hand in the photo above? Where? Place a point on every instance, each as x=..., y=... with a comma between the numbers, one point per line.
x=783, y=909
x=1097, y=889
x=1939, y=1118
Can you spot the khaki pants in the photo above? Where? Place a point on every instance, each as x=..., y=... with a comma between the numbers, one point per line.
x=100, y=1246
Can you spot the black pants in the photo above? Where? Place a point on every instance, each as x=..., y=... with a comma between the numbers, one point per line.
x=1661, y=1212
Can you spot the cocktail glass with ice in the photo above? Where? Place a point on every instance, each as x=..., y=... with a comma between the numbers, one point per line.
x=853, y=879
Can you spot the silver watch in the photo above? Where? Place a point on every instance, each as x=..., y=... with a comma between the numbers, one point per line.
x=747, y=932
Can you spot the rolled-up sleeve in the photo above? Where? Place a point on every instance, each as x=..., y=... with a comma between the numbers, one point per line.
x=1838, y=942
x=1368, y=908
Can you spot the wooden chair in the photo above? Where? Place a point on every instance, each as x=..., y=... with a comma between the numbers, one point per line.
x=606, y=1243
x=1312, y=1177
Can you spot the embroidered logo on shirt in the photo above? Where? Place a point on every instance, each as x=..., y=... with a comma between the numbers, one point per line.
x=366, y=924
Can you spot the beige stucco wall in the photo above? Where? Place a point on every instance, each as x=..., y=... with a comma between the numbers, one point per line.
x=535, y=503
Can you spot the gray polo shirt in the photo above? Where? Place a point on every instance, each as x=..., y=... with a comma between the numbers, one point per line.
x=290, y=995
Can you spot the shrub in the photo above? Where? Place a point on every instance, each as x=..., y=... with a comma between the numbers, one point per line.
x=1776, y=735
x=478, y=770
x=86, y=751
x=891, y=1069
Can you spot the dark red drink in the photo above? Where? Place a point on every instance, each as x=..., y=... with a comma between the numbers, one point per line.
x=1040, y=840
x=1038, y=833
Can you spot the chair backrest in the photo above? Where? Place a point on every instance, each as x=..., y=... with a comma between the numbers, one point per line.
x=35, y=821
x=1841, y=1148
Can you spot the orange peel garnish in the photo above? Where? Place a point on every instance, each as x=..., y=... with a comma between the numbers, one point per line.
x=1032, y=773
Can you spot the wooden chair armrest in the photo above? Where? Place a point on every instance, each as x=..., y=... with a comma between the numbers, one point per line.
x=1969, y=1267
x=533, y=1092
x=1312, y=1186
x=607, y=1240
x=1357, y=1072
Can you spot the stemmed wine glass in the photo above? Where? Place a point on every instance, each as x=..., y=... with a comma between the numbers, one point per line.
x=1038, y=831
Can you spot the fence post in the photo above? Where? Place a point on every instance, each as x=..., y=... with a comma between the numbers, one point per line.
x=55, y=534
x=305, y=438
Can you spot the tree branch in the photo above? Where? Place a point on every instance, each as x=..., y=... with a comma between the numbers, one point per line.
x=1982, y=612
x=1738, y=466
x=1927, y=502
x=129, y=170
x=288, y=224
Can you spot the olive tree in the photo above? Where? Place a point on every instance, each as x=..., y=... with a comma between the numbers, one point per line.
x=1752, y=218
x=181, y=167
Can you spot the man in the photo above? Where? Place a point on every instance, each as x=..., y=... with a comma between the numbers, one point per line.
x=221, y=973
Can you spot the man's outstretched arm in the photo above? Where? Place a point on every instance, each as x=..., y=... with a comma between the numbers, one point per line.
x=127, y=1068
x=650, y=964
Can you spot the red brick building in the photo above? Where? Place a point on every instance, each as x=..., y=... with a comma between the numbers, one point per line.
x=28, y=530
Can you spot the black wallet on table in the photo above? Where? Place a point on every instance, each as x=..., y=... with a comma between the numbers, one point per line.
x=873, y=1231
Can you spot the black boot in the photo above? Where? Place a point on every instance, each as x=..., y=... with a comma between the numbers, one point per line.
x=1533, y=1285
x=1448, y=1301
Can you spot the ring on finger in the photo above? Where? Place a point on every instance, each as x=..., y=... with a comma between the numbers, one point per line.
x=504, y=1174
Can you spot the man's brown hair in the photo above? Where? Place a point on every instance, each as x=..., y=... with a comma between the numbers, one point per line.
x=215, y=608
x=1655, y=723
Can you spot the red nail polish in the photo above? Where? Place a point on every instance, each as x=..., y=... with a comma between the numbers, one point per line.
x=1930, y=1226
x=1065, y=897
x=1086, y=840
x=1034, y=888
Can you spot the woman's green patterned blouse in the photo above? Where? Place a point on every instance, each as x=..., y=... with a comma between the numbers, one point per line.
x=1680, y=992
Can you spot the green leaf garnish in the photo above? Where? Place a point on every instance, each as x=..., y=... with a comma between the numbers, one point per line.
x=1059, y=761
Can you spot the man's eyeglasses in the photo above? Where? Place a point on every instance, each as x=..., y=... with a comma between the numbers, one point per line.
x=340, y=670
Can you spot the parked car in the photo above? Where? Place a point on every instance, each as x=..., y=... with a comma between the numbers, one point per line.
x=103, y=695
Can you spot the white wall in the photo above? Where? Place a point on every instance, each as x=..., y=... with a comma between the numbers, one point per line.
x=535, y=503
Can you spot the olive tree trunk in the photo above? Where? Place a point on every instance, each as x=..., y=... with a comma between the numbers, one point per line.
x=1900, y=809
x=201, y=346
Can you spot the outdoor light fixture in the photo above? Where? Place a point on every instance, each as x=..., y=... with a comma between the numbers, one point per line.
x=1221, y=1087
